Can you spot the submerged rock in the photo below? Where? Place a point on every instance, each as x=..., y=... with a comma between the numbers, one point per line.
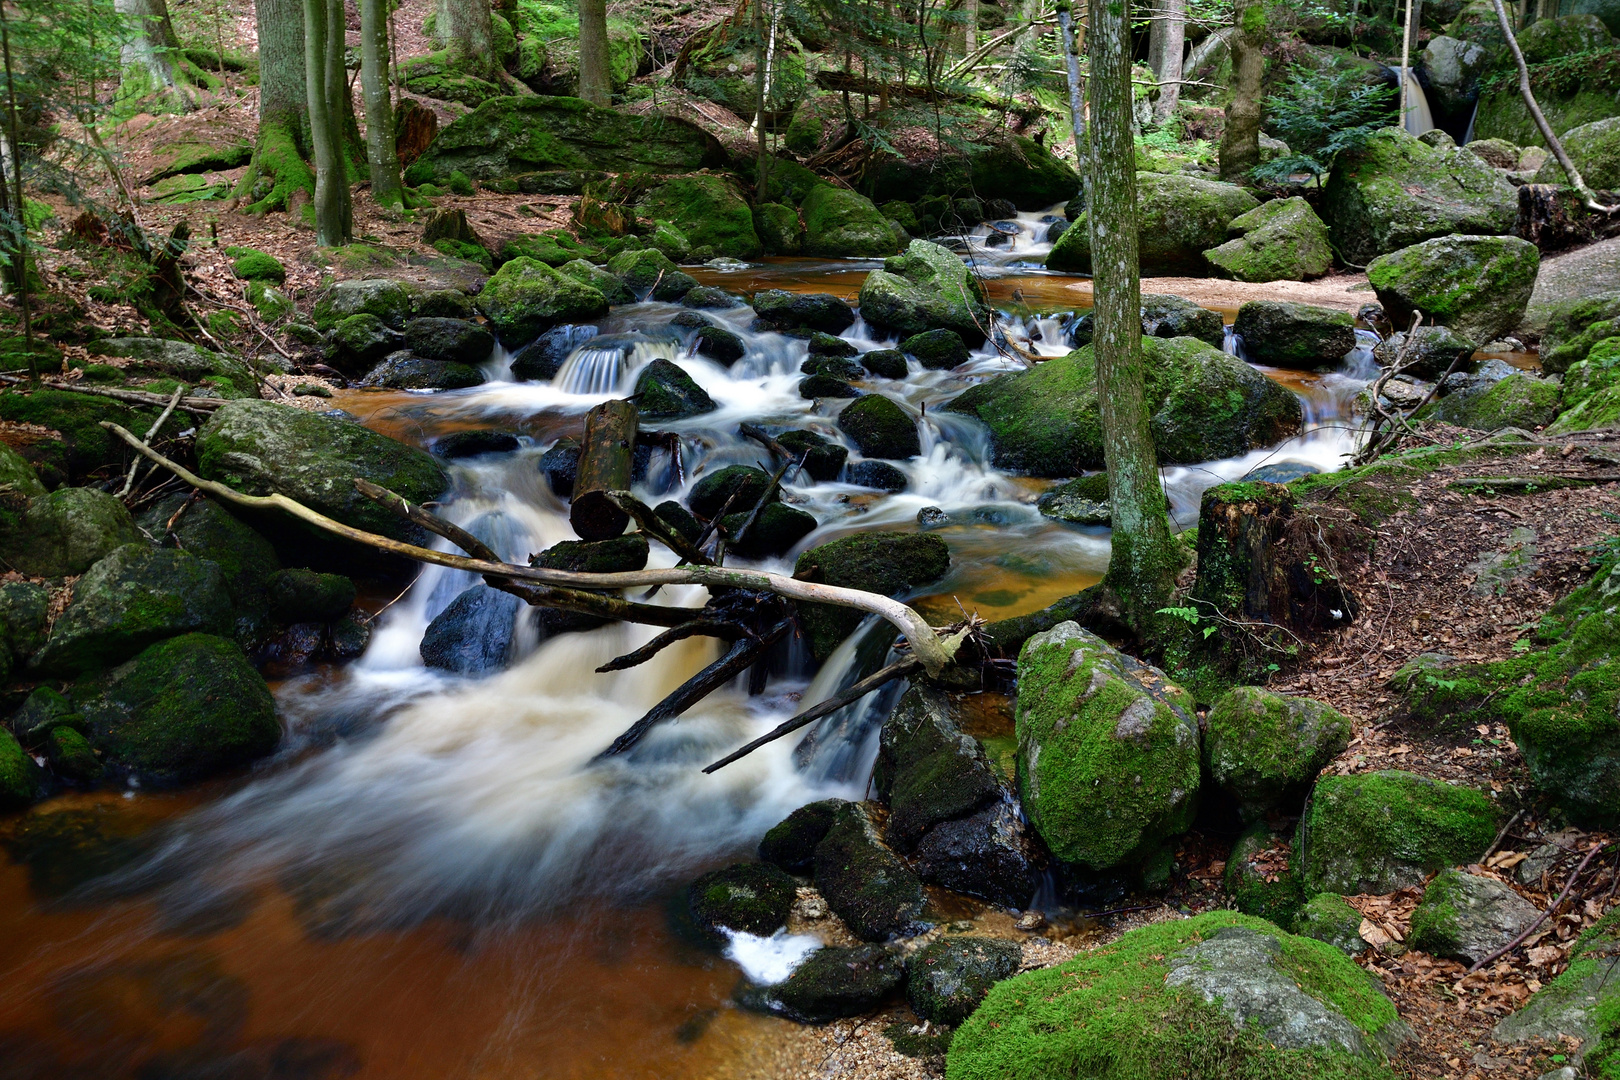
x=833, y=983
x=475, y=443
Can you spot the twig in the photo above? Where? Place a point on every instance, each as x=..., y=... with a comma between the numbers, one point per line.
x=1500, y=835
x=1516, y=942
x=765, y=497
x=129, y=481
x=695, y=628
x=655, y=527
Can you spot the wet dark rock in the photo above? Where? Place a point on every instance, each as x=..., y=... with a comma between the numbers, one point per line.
x=753, y=898
x=864, y=882
x=825, y=386
x=885, y=363
x=890, y=563
x=1302, y=337
x=927, y=769
x=1081, y=501
x=347, y=639
x=936, y=350
x=407, y=372
x=1167, y=316
x=618, y=555
x=932, y=517
x=782, y=310
x=680, y=519
x=876, y=474
x=473, y=635
x=1055, y=230
x=360, y=341
x=296, y=646
x=775, y=531
x=462, y=444
x=719, y=344
x=665, y=392
x=66, y=532
x=72, y=756
x=833, y=367
x=307, y=596
x=823, y=458
x=710, y=297
x=1432, y=352
x=791, y=843
x=880, y=428
x=709, y=494
x=560, y=465
x=833, y=983
x=1279, y=472
x=206, y=529
x=455, y=341
x=990, y=854
x=542, y=358
x=946, y=980
x=40, y=713
x=829, y=345
x=690, y=320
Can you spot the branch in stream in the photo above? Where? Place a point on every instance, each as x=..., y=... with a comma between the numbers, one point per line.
x=694, y=628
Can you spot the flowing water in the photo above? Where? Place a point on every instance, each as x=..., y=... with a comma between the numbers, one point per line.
x=431, y=879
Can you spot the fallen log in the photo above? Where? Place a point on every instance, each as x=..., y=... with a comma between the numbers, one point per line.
x=605, y=458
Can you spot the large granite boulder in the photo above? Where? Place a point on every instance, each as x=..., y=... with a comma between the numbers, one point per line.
x=64, y=532
x=926, y=288
x=1265, y=750
x=1178, y=218
x=708, y=210
x=839, y=223
x=526, y=297
x=1476, y=285
x=1281, y=240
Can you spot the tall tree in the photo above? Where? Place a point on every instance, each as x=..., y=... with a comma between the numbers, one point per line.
x=595, y=81
x=154, y=72
x=465, y=29
x=280, y=168
x=1144, y=561
x=1240, y=142
x=1167, y=43
x=326, y=85
x=380, y=150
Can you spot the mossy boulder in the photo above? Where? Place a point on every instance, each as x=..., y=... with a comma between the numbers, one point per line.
x=1468, y=917
x=455, y=341
x=1574, y=327
x=1221, y=994
x=741, y=485
x=182, y=360
x=926, y=288
x=612, y=289
x=209, y=531
x=1520, y=401
x=1326, y=917
x=181, y=710
x=1399, y=191
x=526, y=297
x=708, y=210
x=1382, y=831
x=300, y=595
x=259, y=447
x=360, y=341
x=1265, y=750
x=779, y=309
x=1178, y=218
x=833, y=982
x=19, y=776
x=1595, y=150
x=928, y=770
x=84, y=447
x=719, y=344
x=885, y=363
x=1017, y=169
x=649, y=272
x=406, y=372
x=666, y=392
x=936, y=350
x=880, y=428
x=385, y=298
x=1578, y=1005
x=1281, y=240
x=1081, y=501
x=1260, y=878
x=66, y=532
x=823, y=458
x=18, y=482
x=72, y=756
x=1203, y=403
x=791, y=842
x=1167, y=316
x=946, y=980
x=1479, y=286
x=1561, y=36
x=1108, y=754
x=774, y=532
x=864, y=882
x=779, y=229
x=889, y=563
x=1298, y=336
x=251, y=264
x=840, y=223
x=751, y=898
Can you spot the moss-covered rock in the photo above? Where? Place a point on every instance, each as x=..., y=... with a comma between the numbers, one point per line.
x=307, y=596
x=925, y=288
x=181, y=710
x=244, y=557
x=360, y=341
x=1326, y=917
x=612, y=289
x=936, y=350
x=1399, y=191
x=1574, y=327
x=19, y=776
x=774, y=532
x=405, y=372
x=823, y=459
x=928, y=770
x=258, y=447
x=251, y=264
x=946, y=980
x=72, y=756
x=385, y=298
x=1281, y=240
x=66, y=532
x=1579, y=1004
x=1081, y=501
x=791, y=842
x=1017, y=169
x=526, y=297
x=1108, y=755
x=1431, y=354
x=84, y=446
x=18, y=483
x=708, y=210
x=1168, y=316
x=1204, y=404
x=779, y=229
x=1520, y=401
x=889, y=563
x=1298, y=336
x=1382, y=831
x=840, y=223
x=24, y=620
x=753, y=898
x=1221, y=994
x=182, y=360
x=455, y=341
x=665, y=392
x=1265, y=750
x=1260, y=879
x=885, y=363
x=1178, y=218
x=864, y=882
x=1477, y=285
x=779, y=309
x=648, y=272
x=832, y=983
x=1595, y=150
x=1468, y=917
x=880, y=428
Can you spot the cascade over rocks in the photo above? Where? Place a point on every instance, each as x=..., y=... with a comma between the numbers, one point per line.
x=889, y=563
x=1297, y=336
x=1178, y=218
x=1477, y=285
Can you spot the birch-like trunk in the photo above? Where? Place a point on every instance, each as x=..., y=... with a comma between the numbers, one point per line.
x=1169, y=37
x=1240, y=142
x=332, y=224
x=380, y=152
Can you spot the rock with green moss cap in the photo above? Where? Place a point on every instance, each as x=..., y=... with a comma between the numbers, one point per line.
x=359, y=341
x=890, y=563
x=936, y=350
x=385, y=298
x=300, y=595
x=1381, y=831
x=1178, y=218
x=1230, y=993
x=67, y=531
x=946, y=980
x=1081, y=501
x=1265, y=750
x=526, y=297
x=259, y=447
x=741, y=485
x=779, y=309
x=1477, y=285
x=1108, y=755
x=823, y=459
x=1520, y=401
x=1589, y=377
x=1260, y=878
x=1574, y=327
x=927, y=769
x=1168, y=316
x=840, y=223
x=1298, y=336
x=749, y=898
x=251, y=264
x=791, y=843
x=833, y=982
x=1468, y=917
x=85, y=447
x=19, y=776
x=779, y=229
x=880, y=428
x=1399, y=191
x=1595, y=150
x=1579, y=1003
x=24, y=620
x=1432, y=352
x=665, y=392
x=774, y=531
x=708, y=210
x=181, y=710
x=209, y=531
x=926, y=288
x=1326, y=917
x=135, y=596
x=612, y=289
x=648, y=271
x=72, y=756
x=18, y=484
x=1281, y=240
x=1203, y=403
x=864, y=882
x=41, y=713
x=455, y=341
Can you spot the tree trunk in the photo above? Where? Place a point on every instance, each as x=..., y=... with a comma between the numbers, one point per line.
x=605, y=459
x=468, y=33
x=595, y=81
x=380, y=152
x=325, y=82
x=1170, y=32
x=1077, y=109
x=1240, y=142
x=149, y=73
x=1144, y=560
x=280, y=178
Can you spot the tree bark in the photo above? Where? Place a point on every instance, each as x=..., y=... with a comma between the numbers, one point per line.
x=280, y=173
x=1077, y=109
x=1144, y=560
x=380, y=150
x=605, y=458
x=466, y=30
x=1240, y=142
x=324, y=80
x=595, y=81
x=1170, y=37
x=147, y=58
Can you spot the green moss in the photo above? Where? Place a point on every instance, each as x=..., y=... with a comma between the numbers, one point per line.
x=791, y=842
x=1248, y=887
x=278, y=170
x=1327, y=918
x=19, y=776
x=708, y=211
x=1264, y=748
x=526, y=297
x=1434, y=922
x=85, y=447
x=754, y=898
x=840, y=223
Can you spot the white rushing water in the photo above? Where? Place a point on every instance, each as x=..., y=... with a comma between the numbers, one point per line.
x=407, y=793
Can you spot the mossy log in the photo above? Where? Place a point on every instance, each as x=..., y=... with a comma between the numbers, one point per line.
x=605, y=460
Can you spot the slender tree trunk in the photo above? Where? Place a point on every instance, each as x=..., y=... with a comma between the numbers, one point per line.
x=469, y=34
x=595, y=81
x=11, y=200
x=970, y=27
x=332, y=227
x=764, y=40
x=1077, y=109
x=1144, y=560
x=1240, y=142
x=148, y=57
x=380, y=152
x=280, y=173
x=1172, y=32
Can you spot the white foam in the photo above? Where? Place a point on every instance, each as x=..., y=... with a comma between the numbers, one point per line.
x=769, y=960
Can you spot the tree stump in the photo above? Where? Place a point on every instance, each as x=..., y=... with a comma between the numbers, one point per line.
x=606, y=459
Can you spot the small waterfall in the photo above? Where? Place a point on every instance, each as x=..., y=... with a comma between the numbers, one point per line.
x=602, y=364
x=1418, y=117
x=1232, y=344
x=1468, y=135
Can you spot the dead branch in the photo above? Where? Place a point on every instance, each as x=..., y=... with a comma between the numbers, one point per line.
x=654, y=526
x=1552, y=907
x=199, y=405
x=129, y=481
x=694, y=628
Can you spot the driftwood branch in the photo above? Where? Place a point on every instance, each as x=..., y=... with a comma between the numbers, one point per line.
x=933, y=651
x=654, y=526
x=854, y=692
x=694, y=628
x=151, y=433
x=199, y=405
